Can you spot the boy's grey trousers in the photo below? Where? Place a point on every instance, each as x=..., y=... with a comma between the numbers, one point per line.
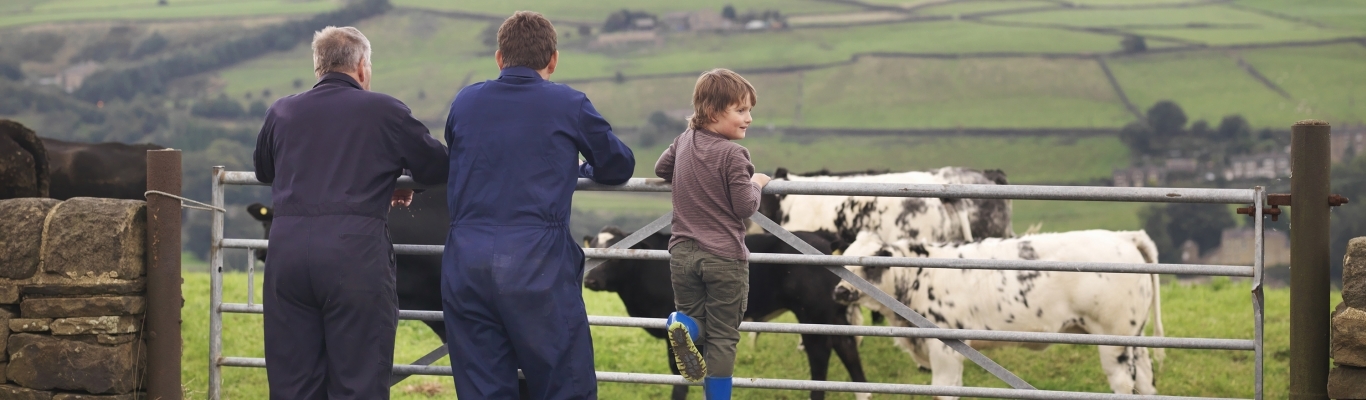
x=714, y=291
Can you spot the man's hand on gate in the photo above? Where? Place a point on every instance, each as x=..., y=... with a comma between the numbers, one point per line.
x=403, y=197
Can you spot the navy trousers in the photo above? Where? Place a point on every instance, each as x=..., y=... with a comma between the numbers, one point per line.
x=512, y=300
x=331, y=311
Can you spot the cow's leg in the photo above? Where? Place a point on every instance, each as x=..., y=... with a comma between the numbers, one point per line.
x=947, y=365
x=1146, y=380
x=680, y=391
x=438, y=327
x=847, y=350
x=1120, y=367
x=818, y=357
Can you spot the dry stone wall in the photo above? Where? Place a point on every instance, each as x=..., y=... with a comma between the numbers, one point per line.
x=72, y=298
x=1347, y=379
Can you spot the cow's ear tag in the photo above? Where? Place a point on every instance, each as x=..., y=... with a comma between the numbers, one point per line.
x=585, y=243
x=837, y=252
x=264, y=211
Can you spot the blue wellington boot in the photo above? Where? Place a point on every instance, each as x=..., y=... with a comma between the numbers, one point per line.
x=716, y=388
x=683, y=333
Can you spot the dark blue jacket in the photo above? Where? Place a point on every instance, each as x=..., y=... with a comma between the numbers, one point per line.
x=337, y=149
x=514, y=145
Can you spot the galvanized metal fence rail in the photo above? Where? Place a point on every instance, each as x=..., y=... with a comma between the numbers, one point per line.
x=923, y=327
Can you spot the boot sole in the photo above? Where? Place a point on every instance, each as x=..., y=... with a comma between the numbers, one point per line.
x=689, y=360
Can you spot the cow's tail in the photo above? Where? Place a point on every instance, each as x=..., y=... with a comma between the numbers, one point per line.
x=1149, y=250
x=1158, y=353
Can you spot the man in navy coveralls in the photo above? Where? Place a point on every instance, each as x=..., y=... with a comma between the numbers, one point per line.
x=511, y=272
x=331, y=155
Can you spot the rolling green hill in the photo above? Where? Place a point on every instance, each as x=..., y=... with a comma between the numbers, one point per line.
x=29, y=12
x=1029, y=69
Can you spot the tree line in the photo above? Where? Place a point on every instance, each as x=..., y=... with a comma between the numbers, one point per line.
x=151, y=77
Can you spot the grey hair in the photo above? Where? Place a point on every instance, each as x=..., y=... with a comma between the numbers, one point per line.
x=339, y=49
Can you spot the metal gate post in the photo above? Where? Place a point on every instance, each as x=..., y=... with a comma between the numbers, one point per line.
x=164, y=298
x=1258, y=297
x=1309, y=280
x=216, y=291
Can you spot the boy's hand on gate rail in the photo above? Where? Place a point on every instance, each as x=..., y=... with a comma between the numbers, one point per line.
x=760, y=179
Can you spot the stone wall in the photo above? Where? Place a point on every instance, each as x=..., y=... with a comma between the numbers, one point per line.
x=1347, y=380
x=72, y=298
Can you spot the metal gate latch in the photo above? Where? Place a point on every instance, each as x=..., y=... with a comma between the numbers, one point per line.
x=1275, y=200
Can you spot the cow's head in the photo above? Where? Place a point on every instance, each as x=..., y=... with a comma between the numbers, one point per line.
x=869, y=244
x=770, y=205
x=608, y=276
x=265, y=215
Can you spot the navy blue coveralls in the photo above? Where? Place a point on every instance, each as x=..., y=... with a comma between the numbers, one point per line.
x=331, y=155
x=511, y=271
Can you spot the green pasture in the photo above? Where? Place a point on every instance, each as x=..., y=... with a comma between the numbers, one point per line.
x=421, y=54
x=1347, y=14
x=988, y=92
x=1211, y=25
x=27, y=12
x=412, y=48
x=423, y=59
x=1221, y=309
x=972, y=7
x=1324, y=81
x=1212, y=15
x=1207, y=85
x=825, y=45
x=878, y=92
x=596, y=12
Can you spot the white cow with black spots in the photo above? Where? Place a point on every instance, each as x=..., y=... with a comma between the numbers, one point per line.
x=925, y=219
x=1028, y=301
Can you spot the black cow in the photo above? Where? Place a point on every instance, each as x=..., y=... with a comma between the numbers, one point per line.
x=23, y=164
x=110, y=170
x=418, y=277
x=646, y=291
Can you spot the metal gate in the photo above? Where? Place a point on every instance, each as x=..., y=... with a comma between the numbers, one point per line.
x=923, y=327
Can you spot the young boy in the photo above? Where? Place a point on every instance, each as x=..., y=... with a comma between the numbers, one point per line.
x=511, y=273
x=714, y=190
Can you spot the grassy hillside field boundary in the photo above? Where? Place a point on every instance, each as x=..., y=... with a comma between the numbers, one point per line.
x=856, y=57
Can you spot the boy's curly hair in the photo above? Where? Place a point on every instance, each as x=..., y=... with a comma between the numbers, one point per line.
x=526, y=39
x=715, y=92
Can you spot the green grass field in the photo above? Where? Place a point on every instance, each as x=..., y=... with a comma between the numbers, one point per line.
x=926, y=93
x=1323, y=80
x=434, y=55
x=1213, y=25
x=28, y=12
x=1064, y=93
x=1211, y=86
x=423, y=59
x=596, y=12
x=1334, y=13
x=972, y=7
x=1221, y=309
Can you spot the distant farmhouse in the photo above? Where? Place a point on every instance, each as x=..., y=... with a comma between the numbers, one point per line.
x=1237, y=246
x=72, y=77
x=634, y=27
x=1347, y=142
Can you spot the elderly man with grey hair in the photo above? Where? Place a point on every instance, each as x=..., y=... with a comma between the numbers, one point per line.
x=331, y=156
